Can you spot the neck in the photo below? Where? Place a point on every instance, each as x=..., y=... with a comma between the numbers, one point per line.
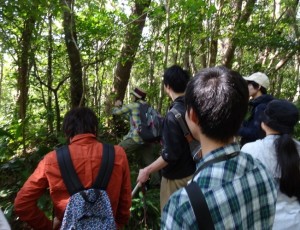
x=258, y=94
x=174, y=95
x=268, y=130
x=273, y=132
x=208, y=144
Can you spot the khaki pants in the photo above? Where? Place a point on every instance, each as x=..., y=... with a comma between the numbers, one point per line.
x=168, y=187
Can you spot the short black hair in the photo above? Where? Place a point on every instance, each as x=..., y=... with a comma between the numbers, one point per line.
x=80, y=120
x=177, y=78
x=219, y=97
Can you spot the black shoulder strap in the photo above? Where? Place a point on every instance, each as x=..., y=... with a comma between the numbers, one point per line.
x=70, y=176
x=182, y=124
x=67, y=170
x=199, y=206
x=143, y=108
x=106, y=168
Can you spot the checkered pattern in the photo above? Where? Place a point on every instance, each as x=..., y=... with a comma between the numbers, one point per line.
x=239, y=192
x=132, y=110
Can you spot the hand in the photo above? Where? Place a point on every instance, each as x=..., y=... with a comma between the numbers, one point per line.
x=118, y=103
x=56, y=223
x=143, y=176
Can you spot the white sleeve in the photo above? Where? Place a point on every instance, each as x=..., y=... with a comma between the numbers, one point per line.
x=3, y=222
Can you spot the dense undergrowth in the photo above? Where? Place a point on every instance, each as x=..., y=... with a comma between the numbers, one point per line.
x=16, y=167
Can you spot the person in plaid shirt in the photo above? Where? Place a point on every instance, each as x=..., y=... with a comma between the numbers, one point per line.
x=132, y=143
x=239, y=192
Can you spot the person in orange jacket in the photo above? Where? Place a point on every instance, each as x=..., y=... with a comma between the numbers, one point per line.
x=80, y=127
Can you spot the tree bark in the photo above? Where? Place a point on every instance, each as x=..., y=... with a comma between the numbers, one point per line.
x=76, y=86
x=214, y=35
x=241, y=19
x=129, y=48
x=24, y=68
x=50, y=116
x=166, y=53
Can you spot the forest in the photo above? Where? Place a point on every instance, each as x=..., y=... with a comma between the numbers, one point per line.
x=56, y=55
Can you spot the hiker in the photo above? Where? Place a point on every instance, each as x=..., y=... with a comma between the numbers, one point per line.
x=280, y=153
x=133, y=144
x=176, y=163
x=236, y=189
x=258, y=83
x=80, y=126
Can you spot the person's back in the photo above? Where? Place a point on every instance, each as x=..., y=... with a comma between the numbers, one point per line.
x=174, y=142
x=175, y=162
x=136, y=148
x=281, y=156
x=80, y=126
x=237, y=189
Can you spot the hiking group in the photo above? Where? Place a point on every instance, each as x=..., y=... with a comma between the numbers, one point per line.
x=246, y=175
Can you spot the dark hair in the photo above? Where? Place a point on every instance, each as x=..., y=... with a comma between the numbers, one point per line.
x=177, y=78
x=282, y=116
x=288, y=161
x=80, y=120
x=219, y=96
x=255, y=85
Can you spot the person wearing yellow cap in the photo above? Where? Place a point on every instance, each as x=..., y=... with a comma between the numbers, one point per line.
x=258, y=83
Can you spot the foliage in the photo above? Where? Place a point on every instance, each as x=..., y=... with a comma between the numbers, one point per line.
x=193, y=32
x=145, y=212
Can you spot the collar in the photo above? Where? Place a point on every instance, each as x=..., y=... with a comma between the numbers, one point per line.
x=180, y=98
x=227, y=149
x=86, y=137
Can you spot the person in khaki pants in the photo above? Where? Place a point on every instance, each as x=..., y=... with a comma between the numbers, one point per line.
x=176, y=163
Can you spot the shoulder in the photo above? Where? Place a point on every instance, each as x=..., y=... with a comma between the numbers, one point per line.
x=253, y=147
x=120, y=154
x=119, y=150
x=50, y=158
x=178, y=213
x=263, y=100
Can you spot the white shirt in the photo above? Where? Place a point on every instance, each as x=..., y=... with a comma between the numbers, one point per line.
x=3, y=222
x=287, y=208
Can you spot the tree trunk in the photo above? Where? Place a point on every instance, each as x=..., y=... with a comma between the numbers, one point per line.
x=23, y=68
x=241, y=19
x=166, y=53
x=23, y=74
x=50, y=115
x=129, y=48
x=73, y=53
x=1, y=76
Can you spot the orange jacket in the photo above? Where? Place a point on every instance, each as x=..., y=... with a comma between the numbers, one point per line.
x=86, y=154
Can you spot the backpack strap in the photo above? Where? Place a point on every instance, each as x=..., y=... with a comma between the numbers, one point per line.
x=183, y=125
x=199, y=206
x=67, y=170
x=70, y=176
x=107, y=165
x=195, y=146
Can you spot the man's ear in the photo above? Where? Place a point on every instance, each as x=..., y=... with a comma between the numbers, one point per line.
x=263, y=126
x=192, y=115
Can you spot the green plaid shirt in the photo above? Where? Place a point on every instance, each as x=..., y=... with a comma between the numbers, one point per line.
x=239, y=193
x=132, y=112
